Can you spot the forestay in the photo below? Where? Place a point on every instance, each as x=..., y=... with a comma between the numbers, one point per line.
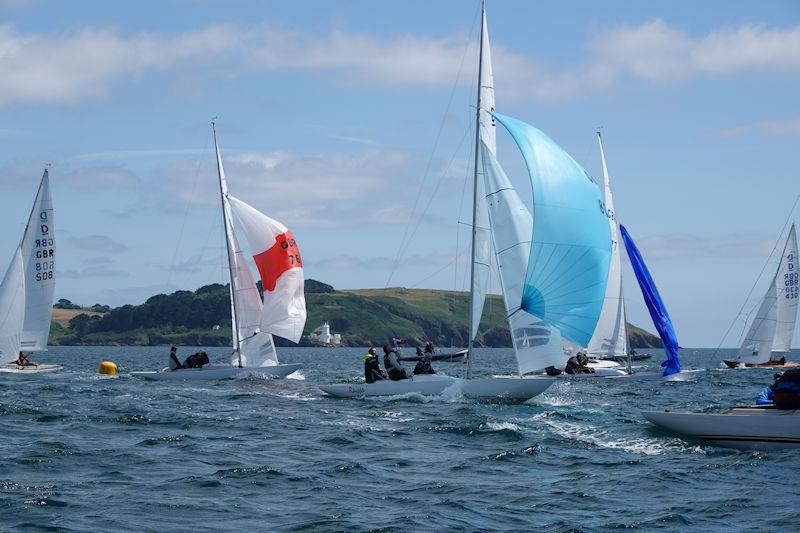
x=39, y=262
x=12, y=309
x=565, y=282
x=610, y=337
x=277, y=257
x=536, y=345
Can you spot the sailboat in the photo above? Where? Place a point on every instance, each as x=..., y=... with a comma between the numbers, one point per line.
x=773, y=327
x=26, y=293
x=553, y=267
x=282, y=311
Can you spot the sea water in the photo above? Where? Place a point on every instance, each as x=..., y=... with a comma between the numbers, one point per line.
x=88, y=453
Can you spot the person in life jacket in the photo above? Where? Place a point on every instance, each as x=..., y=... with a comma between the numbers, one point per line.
x=174, y=363
x=766, y=396
x=429, y=348
x=196, y=360
x=22, y=360
x=391, y=362
x=578, y=364
x=372, y=367
x=424, y=366
x=419, y=351
x=786, y=390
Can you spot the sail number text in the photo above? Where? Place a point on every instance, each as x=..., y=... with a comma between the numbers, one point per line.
x=45, y=252
x=790, y=279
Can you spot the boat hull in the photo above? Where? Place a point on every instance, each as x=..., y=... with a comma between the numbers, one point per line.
x=730, y=363
x=218, y=372
x=456, y=356
x=741, y=427
x=494, y=388
x=13, y=368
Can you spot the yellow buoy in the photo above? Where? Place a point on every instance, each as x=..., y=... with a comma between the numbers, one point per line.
x=108, y=368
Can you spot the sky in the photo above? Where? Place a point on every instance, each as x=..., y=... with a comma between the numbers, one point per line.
x=352, y=123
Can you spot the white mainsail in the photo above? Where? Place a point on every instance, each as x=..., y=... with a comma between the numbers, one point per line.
x=12, y=308
x=252, y=348
x=788, y=297
x=610, y=337
x=481, y=235
x=773, y=326
x=38, y=248
x=536, y=345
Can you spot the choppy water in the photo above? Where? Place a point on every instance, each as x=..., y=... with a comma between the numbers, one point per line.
x=85, y=453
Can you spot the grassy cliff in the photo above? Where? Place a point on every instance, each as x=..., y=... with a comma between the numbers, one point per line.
x=363, y=316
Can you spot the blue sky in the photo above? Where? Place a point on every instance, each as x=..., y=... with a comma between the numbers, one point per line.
x=333, y=116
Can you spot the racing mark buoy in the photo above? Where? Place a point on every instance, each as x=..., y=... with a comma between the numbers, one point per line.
x=108, y=368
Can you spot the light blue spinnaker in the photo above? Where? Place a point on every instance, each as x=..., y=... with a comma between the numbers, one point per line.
x=565, y=283
x=658, y=311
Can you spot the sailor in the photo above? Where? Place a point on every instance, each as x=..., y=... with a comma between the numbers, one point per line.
x=767, y=396
x=392, y=363
x=174, y=363
x=786, y=390
x=424, y=365
x=196, y=360
x=372, y=367
x=22, y=360
x=429, y=348
x=579, y=364
x=419, y=352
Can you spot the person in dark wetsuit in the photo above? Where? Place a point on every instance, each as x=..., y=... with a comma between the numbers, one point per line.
x=391, y=362
x=578, y=364
x=22, y=360
x=786, y=390
x=372, y=367
x=419, y=352
x=429, y=349
x=196, y=360
x=174, y=363
x=424, y=366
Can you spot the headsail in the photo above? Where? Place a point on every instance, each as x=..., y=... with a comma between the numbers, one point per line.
x=281, y=267
x=251, y=347
x=39, y=260
x=788, y=297
x=571, y=247
x=12, y=308
x=481, y=243
x=610, y=337
x=658, y=311
x=536, y=345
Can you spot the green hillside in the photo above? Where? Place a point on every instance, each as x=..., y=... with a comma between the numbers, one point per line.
x=364, y=316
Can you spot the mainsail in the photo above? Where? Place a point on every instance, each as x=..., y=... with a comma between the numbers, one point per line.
x=567, y=269
x=12, y=309
x=658, y=311
x=773, y=326
x=281, y=267
x=38, y=248
x=610, y=337
x=536, y=345
x=251, y=347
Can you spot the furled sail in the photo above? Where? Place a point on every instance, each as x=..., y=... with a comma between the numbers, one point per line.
x=658, y=311
x=565, y=282
x=12, y=308
x=536, y=345
x=281, y=268
x=251, y=347
x=481, y=264
x=788, y=297
x=610, y=337
x=39, y=261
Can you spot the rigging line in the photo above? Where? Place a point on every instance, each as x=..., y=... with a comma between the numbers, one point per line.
x=458, y=229
x=763, y=268
x=430, y=159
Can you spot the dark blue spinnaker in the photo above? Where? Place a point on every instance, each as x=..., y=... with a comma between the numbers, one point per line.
x=658, y=311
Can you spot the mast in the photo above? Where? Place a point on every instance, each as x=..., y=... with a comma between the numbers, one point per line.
x=223, y=193
x=470, y=342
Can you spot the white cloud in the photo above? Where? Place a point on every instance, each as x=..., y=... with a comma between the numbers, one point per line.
x=39, y=67
x=780, y=126
x=684, y=245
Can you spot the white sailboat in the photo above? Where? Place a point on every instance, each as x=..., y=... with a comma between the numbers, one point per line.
x=282, y=311
x=773, y=327
x=26, y=293
x=513, y=241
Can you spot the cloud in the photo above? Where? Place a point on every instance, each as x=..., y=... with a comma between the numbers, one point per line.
x=41, y=67
x=99, y=243
x=20, y=173
x=684, y=245
x=100, y=271
x=788, y=126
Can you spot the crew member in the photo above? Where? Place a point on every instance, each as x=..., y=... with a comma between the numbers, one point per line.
x=372, y=367
x=429, y=348
x=174, y=363
x=767, y=396
x=424, y=365
x=22, y=360
x=392, y=363
x=786, y=390
x=579, y=364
